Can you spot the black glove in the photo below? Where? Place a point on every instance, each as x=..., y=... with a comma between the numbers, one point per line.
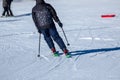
x=60, y=24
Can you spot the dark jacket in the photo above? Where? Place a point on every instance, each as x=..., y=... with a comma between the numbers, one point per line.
x=9, y=1
x=5, y=3
x=43, y=15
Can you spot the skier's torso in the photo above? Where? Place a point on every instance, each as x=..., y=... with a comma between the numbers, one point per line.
x=43, y=16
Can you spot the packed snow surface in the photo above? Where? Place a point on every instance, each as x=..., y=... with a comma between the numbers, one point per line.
x=94, y=42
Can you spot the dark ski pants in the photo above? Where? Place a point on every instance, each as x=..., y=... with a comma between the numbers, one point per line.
x=9, y=9
x=50, y=34
x=5, y=11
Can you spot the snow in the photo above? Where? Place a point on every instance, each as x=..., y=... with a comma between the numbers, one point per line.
x=94, y=42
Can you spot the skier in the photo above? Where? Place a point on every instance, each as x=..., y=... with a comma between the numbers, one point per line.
x=43, y=15
x=5, y=7
x=9, y=7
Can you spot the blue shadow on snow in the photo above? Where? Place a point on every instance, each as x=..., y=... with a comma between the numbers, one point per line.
x=22, y=15
x=9, y=20
x=82, y=52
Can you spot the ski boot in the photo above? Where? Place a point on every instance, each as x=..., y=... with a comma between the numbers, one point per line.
x=67, y=54
x=55, y=53
x=2, y=16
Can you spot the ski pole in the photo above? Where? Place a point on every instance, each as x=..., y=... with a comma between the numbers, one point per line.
x=39, y=45
x=65, y=37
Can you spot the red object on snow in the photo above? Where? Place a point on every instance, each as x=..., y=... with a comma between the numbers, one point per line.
x=108, y=15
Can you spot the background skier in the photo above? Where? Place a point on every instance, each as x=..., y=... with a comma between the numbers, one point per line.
x=9, y=7
x=43, y=15
x=5, y=7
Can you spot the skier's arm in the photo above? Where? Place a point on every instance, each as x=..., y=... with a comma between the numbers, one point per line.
x=54, y=14
x=35, y=21
x=34, y=18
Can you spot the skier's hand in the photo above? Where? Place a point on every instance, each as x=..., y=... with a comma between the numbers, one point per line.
x=60, y=24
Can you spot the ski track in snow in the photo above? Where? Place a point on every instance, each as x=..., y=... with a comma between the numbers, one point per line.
x=16, y=34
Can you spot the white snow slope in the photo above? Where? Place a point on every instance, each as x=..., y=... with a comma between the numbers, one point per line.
x=94, y=42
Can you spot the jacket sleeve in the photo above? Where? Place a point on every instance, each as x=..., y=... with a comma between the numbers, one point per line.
x=54, y=14
x=35, y=20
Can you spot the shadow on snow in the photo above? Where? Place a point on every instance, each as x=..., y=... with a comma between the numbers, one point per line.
x=9, y=20
x=22, y=15
x=82, y=52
